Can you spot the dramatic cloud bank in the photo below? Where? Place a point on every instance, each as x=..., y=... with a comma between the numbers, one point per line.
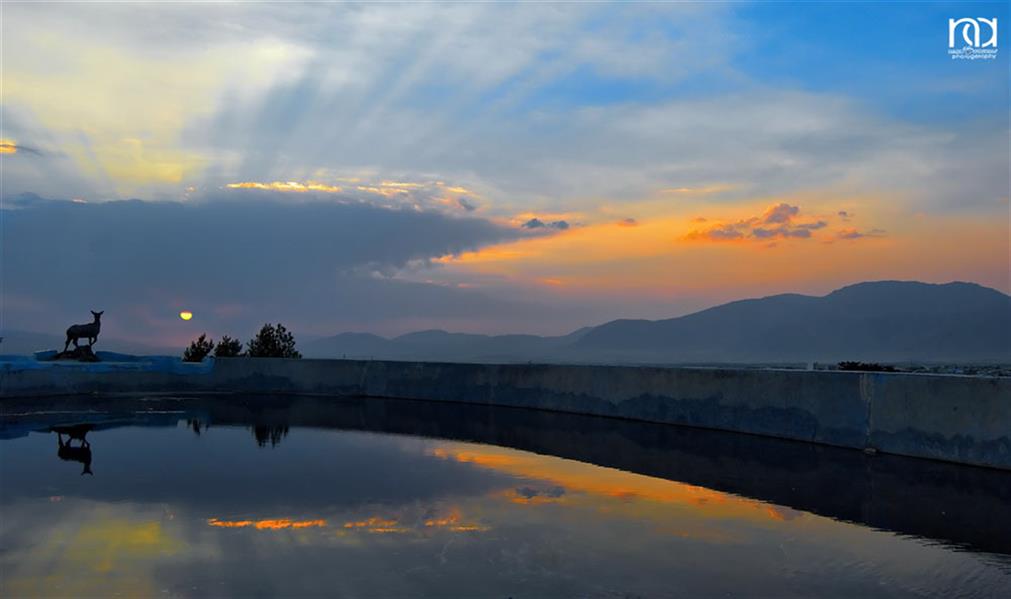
x=315, y=265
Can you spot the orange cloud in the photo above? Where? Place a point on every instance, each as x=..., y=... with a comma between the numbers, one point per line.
x=287, y=186
x=776, y=222
x=8, y=146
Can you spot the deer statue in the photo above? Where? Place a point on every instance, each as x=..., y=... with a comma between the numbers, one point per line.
x=85, y=331
x=67, y=452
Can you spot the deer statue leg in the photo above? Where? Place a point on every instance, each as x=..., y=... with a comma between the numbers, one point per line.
x=67, y=344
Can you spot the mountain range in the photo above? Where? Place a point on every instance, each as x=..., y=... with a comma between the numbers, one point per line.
x=872, y=321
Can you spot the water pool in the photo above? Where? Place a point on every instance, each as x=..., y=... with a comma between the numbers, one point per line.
x=299, y=496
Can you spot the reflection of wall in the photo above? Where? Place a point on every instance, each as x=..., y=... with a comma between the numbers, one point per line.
x=960, y=419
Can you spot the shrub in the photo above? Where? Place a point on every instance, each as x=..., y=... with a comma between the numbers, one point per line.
x=228, y=348
x=272, y=342
x=198, y=349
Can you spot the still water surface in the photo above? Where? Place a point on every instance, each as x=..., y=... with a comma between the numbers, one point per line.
x=300, y=496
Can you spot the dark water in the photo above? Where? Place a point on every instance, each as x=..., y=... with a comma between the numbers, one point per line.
x=299, y=496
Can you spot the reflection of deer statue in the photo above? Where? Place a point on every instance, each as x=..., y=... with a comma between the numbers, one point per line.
x=67, y=451
x=85, y=331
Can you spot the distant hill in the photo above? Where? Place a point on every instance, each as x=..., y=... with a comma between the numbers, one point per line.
x=885, y=321
x=875, y=321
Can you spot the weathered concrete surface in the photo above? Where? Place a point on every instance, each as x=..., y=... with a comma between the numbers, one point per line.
x=953, y=418
x=943, y=417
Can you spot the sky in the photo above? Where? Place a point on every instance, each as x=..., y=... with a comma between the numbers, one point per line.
x=485, y=167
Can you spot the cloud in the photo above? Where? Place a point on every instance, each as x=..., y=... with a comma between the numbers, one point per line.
x=536, y=223
x=287, y=186
x=718, y=233
x=855, y=234
x=470, y=92
x=780, y=213
x=628, y=222
x=784, y=232
x=314, y=265
x=813, y=226
x=776, y=222
x=9, y=146
x=418, y=193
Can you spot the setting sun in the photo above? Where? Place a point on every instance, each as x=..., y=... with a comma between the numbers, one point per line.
x=186, y=315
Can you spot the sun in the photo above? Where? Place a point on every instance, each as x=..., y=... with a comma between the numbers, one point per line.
x=186, y=315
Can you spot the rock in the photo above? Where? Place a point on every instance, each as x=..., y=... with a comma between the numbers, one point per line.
x=80, y=354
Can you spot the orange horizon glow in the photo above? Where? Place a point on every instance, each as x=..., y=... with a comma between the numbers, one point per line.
x=705, y=252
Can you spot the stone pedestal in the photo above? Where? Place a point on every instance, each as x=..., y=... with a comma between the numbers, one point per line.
x=80, y=354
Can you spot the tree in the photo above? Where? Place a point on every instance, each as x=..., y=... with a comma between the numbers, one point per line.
x=228, y=348
x=198, y=349
x=272, y=342
x=269, y=433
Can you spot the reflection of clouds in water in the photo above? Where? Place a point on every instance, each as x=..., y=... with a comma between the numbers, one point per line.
x=421, y=522
x=267, y=524
x=591, y=484
x=80, y=548
x=528, y=494
x=411, y=519
x=401, y=519
x=783, y=513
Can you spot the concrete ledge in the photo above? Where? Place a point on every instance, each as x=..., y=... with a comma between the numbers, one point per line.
x=953, y=418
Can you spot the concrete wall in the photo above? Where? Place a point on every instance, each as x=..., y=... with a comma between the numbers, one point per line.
x=953, y=418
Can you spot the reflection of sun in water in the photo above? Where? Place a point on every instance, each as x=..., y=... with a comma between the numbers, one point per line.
x=186, y=315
